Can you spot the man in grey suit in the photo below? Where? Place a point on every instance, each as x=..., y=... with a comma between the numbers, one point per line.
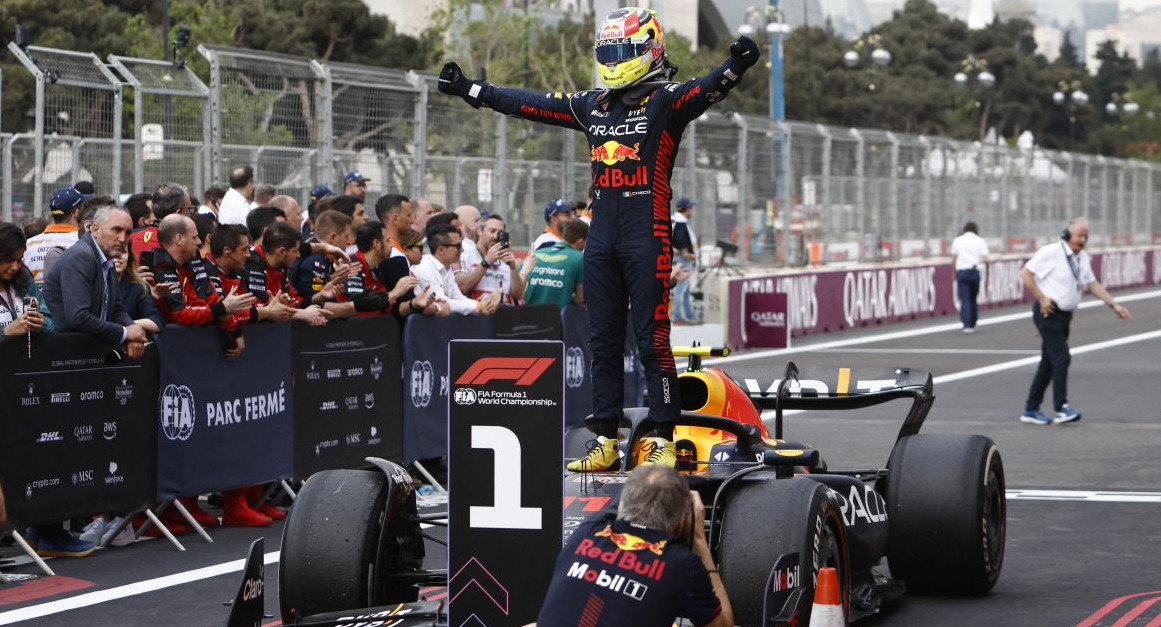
x=82, y=284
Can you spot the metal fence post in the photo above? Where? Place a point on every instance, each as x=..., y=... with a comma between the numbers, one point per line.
x=568, y=164
x=894, y=195
x=825, y=191
x=326, y=122
x=38, y=147
x=743, y=208
x=861, y=190
x=6, y=189
x=500, y=178
x=215, y=111
x=419, y=168
x=926, y=205
x=690, y=142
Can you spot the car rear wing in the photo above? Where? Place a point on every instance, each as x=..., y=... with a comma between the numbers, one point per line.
x=820, y=387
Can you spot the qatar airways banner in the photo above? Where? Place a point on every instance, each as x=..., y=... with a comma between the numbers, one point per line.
x=832, y=300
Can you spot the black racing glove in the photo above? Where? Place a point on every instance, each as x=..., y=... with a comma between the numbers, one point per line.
x=744, y=52
x=371, y=301
x=452, y=81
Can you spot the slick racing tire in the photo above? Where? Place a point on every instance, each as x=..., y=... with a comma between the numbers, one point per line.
x=767, y=519
x=947, y=514
x=330, y=543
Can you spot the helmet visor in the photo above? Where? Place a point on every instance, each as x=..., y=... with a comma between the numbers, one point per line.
x=618, y=50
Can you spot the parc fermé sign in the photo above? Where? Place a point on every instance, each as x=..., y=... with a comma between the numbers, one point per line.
x=830, y=300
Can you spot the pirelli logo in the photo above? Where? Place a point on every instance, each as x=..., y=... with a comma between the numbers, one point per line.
x=520, y=370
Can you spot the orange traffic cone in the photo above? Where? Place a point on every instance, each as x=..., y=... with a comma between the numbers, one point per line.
x=828, y=604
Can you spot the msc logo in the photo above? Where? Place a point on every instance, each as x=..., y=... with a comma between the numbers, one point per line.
x=521, y=370
x=465, y=396
x=574, y=367
x=422, y=382
x=177, y=412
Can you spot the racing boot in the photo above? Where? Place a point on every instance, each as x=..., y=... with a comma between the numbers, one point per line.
x=236, y=511
x=203, y=518
x=659, y=451
x=602, y=455
x=262, y=507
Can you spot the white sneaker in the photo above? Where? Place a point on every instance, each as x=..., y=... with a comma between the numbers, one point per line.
x=124, y=538
x=94, y=530
x=969, y=330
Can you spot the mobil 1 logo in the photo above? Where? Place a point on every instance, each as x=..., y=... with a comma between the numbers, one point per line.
x=505, y=435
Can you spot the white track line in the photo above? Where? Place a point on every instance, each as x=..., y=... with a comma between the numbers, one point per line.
x=1027, y=361
x=127, y=590
x=931, y=351
x=895, y=335
x=1084, y=496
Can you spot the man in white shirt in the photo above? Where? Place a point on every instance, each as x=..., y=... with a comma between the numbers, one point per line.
x=236, y=203
x=435, y=274
x=556, y=214
x=61, y=234
x=1057, y=276
x=491, y=271
x=969, y=256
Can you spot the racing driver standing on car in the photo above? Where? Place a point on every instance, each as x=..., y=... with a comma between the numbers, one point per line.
x=633, y=129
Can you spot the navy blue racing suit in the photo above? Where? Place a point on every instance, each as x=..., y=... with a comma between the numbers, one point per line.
x=633, y=136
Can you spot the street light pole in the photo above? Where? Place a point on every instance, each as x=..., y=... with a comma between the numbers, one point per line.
x=777, y=97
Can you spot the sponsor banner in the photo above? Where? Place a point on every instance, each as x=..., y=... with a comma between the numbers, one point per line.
x=766, y=324
x=506, y=435
x=76, y=433
x=346, y=393
x=831, y=300
x=425, y=382
x=528, y=322
x=222, y=424
x=578, y=359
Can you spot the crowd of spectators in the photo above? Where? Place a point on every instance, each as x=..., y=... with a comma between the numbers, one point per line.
x=121, y=271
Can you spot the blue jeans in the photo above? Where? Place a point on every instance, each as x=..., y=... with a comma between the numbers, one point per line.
x=682, y=301
x=969, y=289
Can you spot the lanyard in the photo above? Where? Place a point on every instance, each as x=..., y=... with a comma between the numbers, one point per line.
x=13, y=303
x=1075, y=269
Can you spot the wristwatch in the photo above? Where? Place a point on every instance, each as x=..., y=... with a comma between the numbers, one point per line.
x=484, y=264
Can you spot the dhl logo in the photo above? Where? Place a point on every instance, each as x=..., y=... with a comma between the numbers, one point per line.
x=613, y=152
x=630, y=542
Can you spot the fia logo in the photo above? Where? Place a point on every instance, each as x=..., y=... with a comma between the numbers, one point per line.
x=422, y=381
x=574, y=362
x=177, y=412
x=465, y=396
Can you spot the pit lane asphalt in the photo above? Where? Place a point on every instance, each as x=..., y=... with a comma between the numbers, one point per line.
x=1065, y=561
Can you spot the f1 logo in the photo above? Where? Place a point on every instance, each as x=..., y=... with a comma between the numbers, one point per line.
x=521, y=370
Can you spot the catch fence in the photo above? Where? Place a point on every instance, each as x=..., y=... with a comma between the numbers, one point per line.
x=783, y=194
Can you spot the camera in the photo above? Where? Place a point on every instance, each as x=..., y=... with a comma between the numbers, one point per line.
x=503, y=239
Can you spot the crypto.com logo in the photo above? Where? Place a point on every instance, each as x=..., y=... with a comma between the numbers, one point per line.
x=521, y=370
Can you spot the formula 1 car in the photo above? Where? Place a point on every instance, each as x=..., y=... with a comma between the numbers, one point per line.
x=776, y=511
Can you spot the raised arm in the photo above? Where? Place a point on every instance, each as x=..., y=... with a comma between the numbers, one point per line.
x=555, y=108
x=693, y=97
